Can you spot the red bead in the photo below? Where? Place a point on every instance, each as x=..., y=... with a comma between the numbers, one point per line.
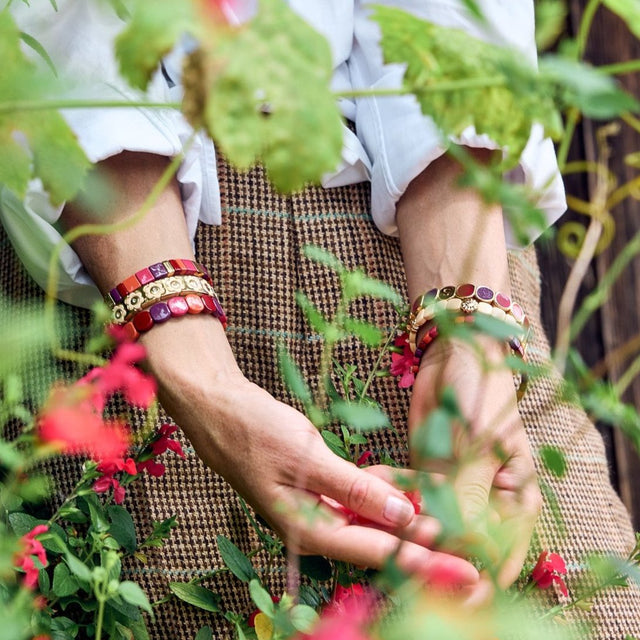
x=142, y=321
x=209, y=304
x=130, y=332
x=465, y=290
x=502, y=301
x=130, y=284
x=178, y=306
x=195, y=303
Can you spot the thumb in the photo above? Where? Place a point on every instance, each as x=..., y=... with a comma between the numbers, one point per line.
x=472, y=486
x=362, y=493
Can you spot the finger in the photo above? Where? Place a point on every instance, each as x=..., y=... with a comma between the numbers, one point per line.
x=361, y=492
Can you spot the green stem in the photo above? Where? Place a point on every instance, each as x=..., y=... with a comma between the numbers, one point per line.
x=437, y=87
x=598, y=296
x=97, y=229
x=627, y=377
x=100, y=597
x=376, y=365
x=563, y=151
x=620, y=68
x=48, y=105
x=585, y=25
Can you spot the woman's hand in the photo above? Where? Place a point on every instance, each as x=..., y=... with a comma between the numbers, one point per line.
x=276, y=459
x=491, y=467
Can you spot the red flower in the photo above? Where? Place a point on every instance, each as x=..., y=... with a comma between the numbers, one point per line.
x=153, y=468
x=252, y=616
x=121, y=375
x=165, y=442
x=402, y=363
x=362, y=460
x=549, y=569
x=24, y=558
x=107, y=481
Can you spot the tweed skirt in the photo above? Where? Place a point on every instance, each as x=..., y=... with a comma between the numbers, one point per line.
x=257, y=265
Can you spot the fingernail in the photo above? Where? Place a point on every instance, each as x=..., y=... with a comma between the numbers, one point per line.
x=398, y=511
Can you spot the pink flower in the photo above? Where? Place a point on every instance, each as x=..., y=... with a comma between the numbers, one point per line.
x=346, y=617
x=24, y=558
x=549, y=569
x=402, y=363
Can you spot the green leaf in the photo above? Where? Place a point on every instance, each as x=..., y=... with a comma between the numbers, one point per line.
x=64, y=583
x=367, y=332
x=30, y=41
x=313, y=315
x=206, y=633
x=161, y=531
x=586, y=88
x=356, y=283
x=361, y=417
x=303, y=618
x=132, y=593
x=10, y=457
x=22, y=523
x=97, y=512
x=335, y=444
x=33, y=143
x=441, y=502
x=554, y=460
x=322, y=256
x=153, y=30
x=196, y=595
x=261, y=598
x=551, y=16
x=433, y=438
x=315, y=567
x=122, y=527
x=271, y=100
x=629, y=11
x=78, y=568
x=461, y=81
x=237, y=562
x=63, y=628
x=292, y=376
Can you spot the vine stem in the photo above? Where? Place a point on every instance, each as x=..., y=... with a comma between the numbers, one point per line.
x=97, y=229
x=374, y=369
x=48, y=105
x=587, y=251
x=436, y=87
x=620, y=68
x=585, y=25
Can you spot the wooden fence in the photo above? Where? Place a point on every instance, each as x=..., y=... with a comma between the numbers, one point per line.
x=615, y=328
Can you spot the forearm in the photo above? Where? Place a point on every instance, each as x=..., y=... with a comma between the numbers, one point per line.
x=448, y=235
x=161, y=235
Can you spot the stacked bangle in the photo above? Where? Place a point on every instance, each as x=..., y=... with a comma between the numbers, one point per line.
x=154, y=272
x=465, y=300
x=164, y=290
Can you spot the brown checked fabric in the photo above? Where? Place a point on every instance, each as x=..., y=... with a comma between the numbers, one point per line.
x=257, y=265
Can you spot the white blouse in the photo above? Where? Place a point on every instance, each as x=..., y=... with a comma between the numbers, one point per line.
x=395, y=142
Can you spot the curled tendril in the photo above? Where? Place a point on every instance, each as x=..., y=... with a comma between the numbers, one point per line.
x=571, y=236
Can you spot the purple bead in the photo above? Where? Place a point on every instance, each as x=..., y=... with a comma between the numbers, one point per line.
x=160, y=312
x=115, y=296
x=158, y=270
x=484, y=293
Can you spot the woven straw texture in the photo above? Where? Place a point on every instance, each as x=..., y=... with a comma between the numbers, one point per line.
x=257, y=265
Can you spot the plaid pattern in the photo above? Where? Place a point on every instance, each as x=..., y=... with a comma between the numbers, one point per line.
x=256, y=263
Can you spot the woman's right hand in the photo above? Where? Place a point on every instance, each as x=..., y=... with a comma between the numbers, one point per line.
x=277, y=460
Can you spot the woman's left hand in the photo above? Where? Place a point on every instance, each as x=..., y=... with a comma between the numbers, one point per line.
x=491, y=465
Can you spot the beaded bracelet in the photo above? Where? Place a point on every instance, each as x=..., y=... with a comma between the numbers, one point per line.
x=157, y=291
x=154, y=272
x=467, y=299
x=175, y=307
